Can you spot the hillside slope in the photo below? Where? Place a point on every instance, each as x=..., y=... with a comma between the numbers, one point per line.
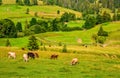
x=72, y=37
x=47, y=11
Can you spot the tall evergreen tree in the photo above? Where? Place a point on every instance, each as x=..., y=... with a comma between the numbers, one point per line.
x=33, y=21
x=27, y=11
x=19, y=26
x=33, y=45
x=101, y=32
x=55, y=25
x=8, y=43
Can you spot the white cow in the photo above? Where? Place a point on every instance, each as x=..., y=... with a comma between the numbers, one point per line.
x=25, y=57
x=11, y=55
x=74, y=61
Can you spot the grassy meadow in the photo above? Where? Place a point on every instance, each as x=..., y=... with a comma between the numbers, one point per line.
x=44, y=11
x=94, y=61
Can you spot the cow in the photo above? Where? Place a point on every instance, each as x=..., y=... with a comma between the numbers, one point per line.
x=74, y=61
x=11, y=55
x=25, y=57
x=54, y=56
x=32, y=55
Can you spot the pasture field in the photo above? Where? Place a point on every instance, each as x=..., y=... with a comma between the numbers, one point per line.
x=45, y=11
x=70, y=38
x=93, y=63
x=78, y=23
x=85, y=35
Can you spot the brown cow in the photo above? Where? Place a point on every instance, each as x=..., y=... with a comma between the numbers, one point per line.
x=54, y=56
x=32, y=55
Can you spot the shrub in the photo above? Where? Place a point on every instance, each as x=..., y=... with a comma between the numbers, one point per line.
x=64, y=48
x=8, y=43
x=60, y=44
x=27, y=11
x=101, y=39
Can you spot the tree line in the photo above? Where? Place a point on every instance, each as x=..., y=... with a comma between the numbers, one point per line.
x=9, y=29
x=27, y=2
x=92, y=20
x=24, y=2
x=86, y=6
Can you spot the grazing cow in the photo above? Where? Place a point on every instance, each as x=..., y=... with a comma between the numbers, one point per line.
x=32, y=55
x=11, y=55
x=74, y=61
x=25, y=57
x=54, y=56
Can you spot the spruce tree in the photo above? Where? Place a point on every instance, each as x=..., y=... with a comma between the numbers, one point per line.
x=101, y=32
x=27, y=11
x=8, y=43
x=33, y=21
x=64, y=48
x=19, y=27
x=33, y=45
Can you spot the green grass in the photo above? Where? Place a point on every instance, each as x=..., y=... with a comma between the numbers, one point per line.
x=16, y=11
x=18, y=42
x=78, y=23
x=85, y=35
x=71, y=37
x=91, y=64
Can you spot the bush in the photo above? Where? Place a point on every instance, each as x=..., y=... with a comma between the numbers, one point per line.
x=27, y=11
x=8, y=43
x=64, y=48
x=60, y=44
x=27, y=32
x=101, y=39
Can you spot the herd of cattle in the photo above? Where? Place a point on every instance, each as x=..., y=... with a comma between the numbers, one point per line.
x=33, y=55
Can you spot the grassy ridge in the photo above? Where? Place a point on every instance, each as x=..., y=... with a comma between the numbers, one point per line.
x=43, y=11
x=71, y=37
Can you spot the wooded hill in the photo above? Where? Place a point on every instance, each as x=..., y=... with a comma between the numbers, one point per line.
x=79, y=5
x=85, y=5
